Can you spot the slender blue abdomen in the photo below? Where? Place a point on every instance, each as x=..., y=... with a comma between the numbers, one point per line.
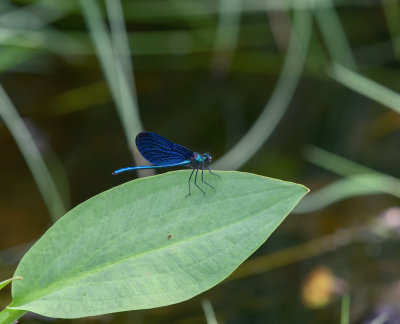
x=148, y=167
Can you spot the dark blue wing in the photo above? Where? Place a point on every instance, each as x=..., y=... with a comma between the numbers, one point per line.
x=160, y=151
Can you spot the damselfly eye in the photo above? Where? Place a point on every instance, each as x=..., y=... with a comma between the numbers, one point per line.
x=207, y=157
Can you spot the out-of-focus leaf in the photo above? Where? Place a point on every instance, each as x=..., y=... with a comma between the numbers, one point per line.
x=341, y=189
x=364, y=176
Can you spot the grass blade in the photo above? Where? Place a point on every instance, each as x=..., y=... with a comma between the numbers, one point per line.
x=370, y=178
x=8, y=281
x=366, y=87
x=345, y=312
x=279, y=101
x=33, y=157
x=227, y=34
x=339, y=190
x=117, y=81
x=391, y=9
x=209, y=312
x=119, y=38
x=334, y=34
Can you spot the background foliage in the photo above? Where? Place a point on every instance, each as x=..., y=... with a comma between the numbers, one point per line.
x=297, y=90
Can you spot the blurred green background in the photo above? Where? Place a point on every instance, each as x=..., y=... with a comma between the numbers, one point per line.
x=304, y=91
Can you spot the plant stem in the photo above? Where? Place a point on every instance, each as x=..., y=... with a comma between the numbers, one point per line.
x=32, y=156
x=9, y=316
x=345, y=314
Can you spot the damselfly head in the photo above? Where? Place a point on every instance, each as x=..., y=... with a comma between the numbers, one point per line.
x=207, y=157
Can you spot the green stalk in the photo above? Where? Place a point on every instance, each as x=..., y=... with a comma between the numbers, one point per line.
x=227, y=34
x=364, y=176
x=366, y=87
x=209, y=312
x=391, y=8
x=8, y=281
x=334, y=34
x=113, y=69
x=345, y=312
x=33, y=157
x=10, y=316
x=274, y=110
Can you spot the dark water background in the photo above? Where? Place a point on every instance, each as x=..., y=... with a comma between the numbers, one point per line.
x=206, y=94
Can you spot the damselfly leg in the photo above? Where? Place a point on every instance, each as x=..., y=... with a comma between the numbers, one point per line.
x=211, y=171
x=195, y=181
x=202, y=178
x=189, y=182
x=197, y=167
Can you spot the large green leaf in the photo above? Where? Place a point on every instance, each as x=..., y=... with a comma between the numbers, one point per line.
x=144, y=244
